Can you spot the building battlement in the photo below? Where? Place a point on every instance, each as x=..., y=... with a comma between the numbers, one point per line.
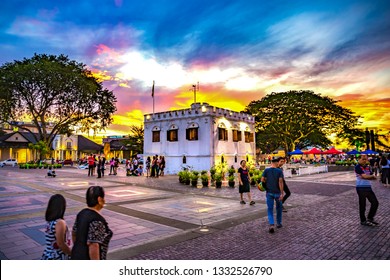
x=199, y=110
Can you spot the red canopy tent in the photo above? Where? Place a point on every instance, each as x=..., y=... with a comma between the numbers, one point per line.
x=313, y=151
x=332, y=151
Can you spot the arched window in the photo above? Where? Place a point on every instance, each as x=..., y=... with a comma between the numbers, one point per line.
x=156, y=134
x=192, y=132
x=237, y=135
x=249, y=136
x=222, y=132
x=172, y=133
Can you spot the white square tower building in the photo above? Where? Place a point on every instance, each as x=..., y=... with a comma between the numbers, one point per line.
x=201, y=137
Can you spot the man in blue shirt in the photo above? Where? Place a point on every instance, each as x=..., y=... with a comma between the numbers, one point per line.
x=364, y=177
x=273, y=179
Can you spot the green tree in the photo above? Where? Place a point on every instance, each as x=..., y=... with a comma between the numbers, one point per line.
x=41, y=148
x=299, y=119
x=136, y=139
x=53, y=89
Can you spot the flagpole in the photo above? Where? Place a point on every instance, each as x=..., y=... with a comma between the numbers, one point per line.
x=153, y=96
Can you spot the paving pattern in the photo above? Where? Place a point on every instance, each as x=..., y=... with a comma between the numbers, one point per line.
x=162, y=219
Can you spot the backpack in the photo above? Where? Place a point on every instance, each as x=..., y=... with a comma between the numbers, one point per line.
x=383, y=161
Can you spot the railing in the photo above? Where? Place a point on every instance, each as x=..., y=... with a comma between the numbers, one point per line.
x=312, y=170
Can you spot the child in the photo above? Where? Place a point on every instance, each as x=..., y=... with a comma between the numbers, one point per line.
x=51, y=173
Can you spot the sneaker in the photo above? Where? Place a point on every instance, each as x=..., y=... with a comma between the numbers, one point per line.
x=242, y=202
x=252, y=203
x=279, y=225
x=271, y=229
x=284, y=209
x=372, y=221
x=366, y=223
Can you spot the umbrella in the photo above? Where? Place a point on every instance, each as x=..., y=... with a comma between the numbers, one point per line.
x=333, y=151
x=353, y=152
x=313, y=151
x=296, y=152
x=369, y=152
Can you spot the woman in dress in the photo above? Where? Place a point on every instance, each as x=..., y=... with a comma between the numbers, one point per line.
x=91, y=234
x=243, y=186
x=56, y=234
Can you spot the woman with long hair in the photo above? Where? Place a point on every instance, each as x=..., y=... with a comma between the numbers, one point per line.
x=56, y=234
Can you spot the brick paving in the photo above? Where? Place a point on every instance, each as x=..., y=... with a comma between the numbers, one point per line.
x=162, y=219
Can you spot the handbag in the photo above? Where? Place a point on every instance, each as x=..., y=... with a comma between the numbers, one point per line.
x=261, y=186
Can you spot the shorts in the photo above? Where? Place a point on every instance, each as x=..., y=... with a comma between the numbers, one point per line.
x=244, y=188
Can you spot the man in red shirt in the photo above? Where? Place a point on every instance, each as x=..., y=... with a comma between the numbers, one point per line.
x=91, y=165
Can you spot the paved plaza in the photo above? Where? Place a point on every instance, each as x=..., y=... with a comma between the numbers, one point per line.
x=159, y=218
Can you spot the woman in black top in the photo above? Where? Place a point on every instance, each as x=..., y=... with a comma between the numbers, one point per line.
x=244, y=179
x=91, y=233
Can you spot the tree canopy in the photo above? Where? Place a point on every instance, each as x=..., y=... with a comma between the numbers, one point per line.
x=298, y=119
x=136, y=139
x=54, y=89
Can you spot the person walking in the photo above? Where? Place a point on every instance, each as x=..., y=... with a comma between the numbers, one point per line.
x=385, y=163
x=112, y=163
x=147, y=166
x=116, y=165
x=273, y=179
x=103, y=167
x=99, y=167
x=91, y=234
x=243, y=183
x=162, y=165
x=364, y=178
x=91, y=164
x=57, y=245
x=286, y=190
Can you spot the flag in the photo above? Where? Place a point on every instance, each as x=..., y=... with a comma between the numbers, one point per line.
x=153, y=90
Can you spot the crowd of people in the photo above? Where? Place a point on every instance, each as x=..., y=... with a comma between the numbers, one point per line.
x=91, y=234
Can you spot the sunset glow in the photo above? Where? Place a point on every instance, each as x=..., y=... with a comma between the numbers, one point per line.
x=237, y=51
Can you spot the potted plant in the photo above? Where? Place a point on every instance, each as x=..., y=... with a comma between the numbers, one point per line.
x=218, y=179
x=186, y=177
x=231, y=181
x=205, y=179
x=181, y=176
x=194, y=178
x=213, y=170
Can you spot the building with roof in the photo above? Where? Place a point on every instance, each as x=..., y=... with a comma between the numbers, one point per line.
x=201, y=137
x=16, y=145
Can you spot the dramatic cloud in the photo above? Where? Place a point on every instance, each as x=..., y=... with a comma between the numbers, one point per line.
x=238, y=51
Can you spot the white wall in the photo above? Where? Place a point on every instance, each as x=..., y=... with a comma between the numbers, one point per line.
x=207, y=150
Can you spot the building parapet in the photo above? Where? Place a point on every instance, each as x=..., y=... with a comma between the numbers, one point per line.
x=198, y=110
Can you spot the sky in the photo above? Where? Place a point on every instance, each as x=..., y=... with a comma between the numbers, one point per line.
x=238, y=51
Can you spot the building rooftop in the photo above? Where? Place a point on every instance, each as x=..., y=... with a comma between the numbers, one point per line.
x=200, y=109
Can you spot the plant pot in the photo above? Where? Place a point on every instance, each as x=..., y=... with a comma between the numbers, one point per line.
x=218, y=184
x=187, y=182
x=231, y=184
x=205, y=183
x=194, y=183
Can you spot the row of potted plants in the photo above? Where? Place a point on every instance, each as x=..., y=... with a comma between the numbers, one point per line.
x=38, y=166
x=345, y=162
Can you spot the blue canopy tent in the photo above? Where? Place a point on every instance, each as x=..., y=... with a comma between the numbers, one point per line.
x=353, y=152
x=296, y=152
x=369, y=152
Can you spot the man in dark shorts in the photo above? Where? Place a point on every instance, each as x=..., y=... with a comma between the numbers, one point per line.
x=243, y=186
x=273, y=179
